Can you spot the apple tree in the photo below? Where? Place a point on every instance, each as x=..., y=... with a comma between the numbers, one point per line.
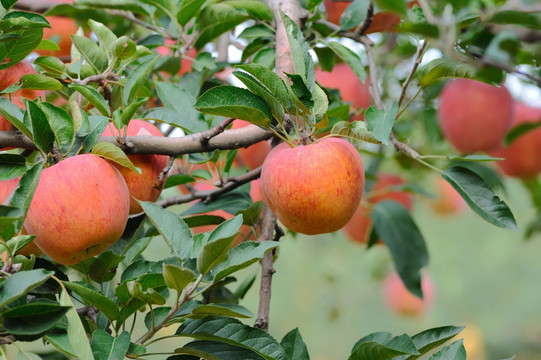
x=126, y=122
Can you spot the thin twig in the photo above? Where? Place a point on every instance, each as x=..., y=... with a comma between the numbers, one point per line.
x=418, y=59
x=129, y=16
x=374, y=88
x=362, y=27
x=209, y=134
x=161, y=178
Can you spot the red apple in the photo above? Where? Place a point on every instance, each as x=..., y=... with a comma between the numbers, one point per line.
x=80, y=207
x=474, y=116
x=344, y=79
x=13, y=74
x=60, y=32
x=448, y=201
x=401, y=301
x=253, y=156
x=357, y=229
x=315, y=188
x=142, y=186
x=523, y=156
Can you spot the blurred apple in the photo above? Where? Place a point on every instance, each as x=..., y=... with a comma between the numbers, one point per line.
x=401, y=301
x=448, y=200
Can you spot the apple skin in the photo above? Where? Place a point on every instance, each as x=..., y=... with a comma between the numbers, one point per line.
x=344, y=79
x=357, y=228
x=13, y=74
x=80, y=207
x=401, y=301
x=313, y=189
x=448, y=201
x=62, y=28
x=253, y=156
x=141, y=186
x=523, y=156
x=474, y=116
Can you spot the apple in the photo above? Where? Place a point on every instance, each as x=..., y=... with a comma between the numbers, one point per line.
x=474, y=116
x=315, y=188
x=401, y=301
x=80, y=207
x=357, y=229
x=344, y=79
x=142, y=186
x=448, y=201
x=13, y=74
x=523, y=155
x=252, y=156
x=60, y=32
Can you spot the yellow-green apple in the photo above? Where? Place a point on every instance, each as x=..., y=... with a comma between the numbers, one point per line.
x=314, y=188
x=357, y=229
x=253, y=156
x=13, y=74
x=344, y=79
x=474, y=116
x=80, y=207
x=523, y=155
x=448, y=200
x=60, y=32
x=401, y=301
x=144, y=186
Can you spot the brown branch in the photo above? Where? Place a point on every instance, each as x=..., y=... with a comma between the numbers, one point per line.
x=362, y=27
x=418, y=59
x=90, y=310
x=374, y=88
x=161, y=178
x=209, y=134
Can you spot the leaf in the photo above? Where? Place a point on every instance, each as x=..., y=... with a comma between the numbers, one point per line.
x=380, y=337
x=91, y=52
x=212, y=350
x=520, y=130
x=381, y=123
x=76, y=331
x=155, y=318
x=91, y=297
x=444, y=68
x=430, y=339
x=173, y=229
x=102, y=269
x=396, y=6
x=474, y=157
x=354, y=14
x=22, y=197
x=114, y=153
x=177, y=278
x=188, y=8
x=373, y=350
x=231, y=202
x=60, y=122
x=399, y=232
x=105, y=36
x=233, y=332
x=11, y=166
x=235, y=102
x=21, y=283
x=43, y=135
x=185, y=120
x=216, y=19
x=31, y=321
x=131, y=109
x=475, y=191
x=19, y=46
x=455, y=351
x=127, y=5
x=106, y=347
x=255, y=8
x=221, y=309
x=39, y=82
x=242, y=256
x=294, y=345
x=137, y=78
x=178, y=179
x=94, y=97
x=321, y=103
x=527, y=19
x=14, y=115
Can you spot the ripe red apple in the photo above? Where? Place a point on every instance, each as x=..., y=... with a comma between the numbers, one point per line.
x=523, y=156
x=357, y=229
x=60, y=32
x=474, y=116
x=448, y=201
x=253, y=156
x=13, y=74
x=401, y=301
x=344, y=79
x=80, y=207
x=315, y=188
x=142, y=186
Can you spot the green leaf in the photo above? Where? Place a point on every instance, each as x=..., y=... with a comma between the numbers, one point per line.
x=103, y=267
x=173, y=229
x=256, y=31
x=177, y=278
x=373, y=350
x=231, y=202
x=380, y=337
x=76, y=331
x=270, y=80
x=131, y=109
x=14, y=115
x=520, y=130
x=242, y=256
x=216, y=19
x=8, y=4
x=39, y=82
x=396, y=6
x=22, y=197
x=124, y=48
x=354, y=14
x=155, y=318
x=294, y=345
x=21, y=20
x=178, y=179
x=399, y=232
x=214, y=350
x=11, y=166
x=233, y=332
x=21, y=283
x=444, y=68
x=186, y=120
x=430, y=339
x=106, y=347
x=114, y=153
x=106, y=37
x=31, y=321
x=321, y=103
x=475, y=191
x=188, y=8
x=127, y=5
x=94, y=97
x=9, y=215
x=60, y=122
x=474, y=157
x=235, y=102
x=251, y=215
x=43, y=135
x=255, y=8
x=381, y=123
x=92, y=52
x=530, y=20
x=137, y=78
x=91, y=297
x=455, y=351
x=221, y=309
x=16, y=48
